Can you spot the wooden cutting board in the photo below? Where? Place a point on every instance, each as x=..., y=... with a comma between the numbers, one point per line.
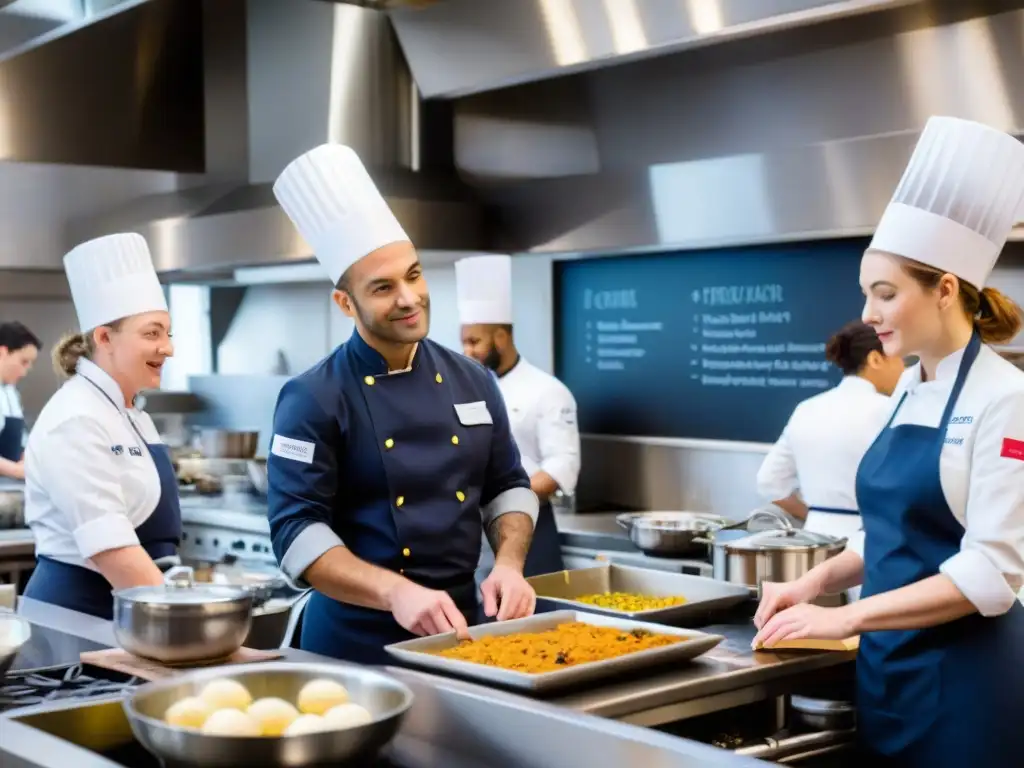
x=810, y=644
x=120, y=660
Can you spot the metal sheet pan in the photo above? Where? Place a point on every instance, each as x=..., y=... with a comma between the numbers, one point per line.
x=702, y=594
x=419, y=652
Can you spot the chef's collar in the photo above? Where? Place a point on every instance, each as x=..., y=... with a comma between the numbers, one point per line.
x=87, y=369
x=519, y=359
x=947, y=368
x=371, y=361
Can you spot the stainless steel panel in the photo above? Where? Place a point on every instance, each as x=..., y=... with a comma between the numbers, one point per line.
x=418, y=652
x=459, y=47
x=702, y=595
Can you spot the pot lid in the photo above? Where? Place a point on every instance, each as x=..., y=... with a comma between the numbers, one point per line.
x=672, y=521
x=784, y=539
x=201, y=594
x=813, y=706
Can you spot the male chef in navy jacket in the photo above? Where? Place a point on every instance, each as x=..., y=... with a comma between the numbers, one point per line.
x=392, y=455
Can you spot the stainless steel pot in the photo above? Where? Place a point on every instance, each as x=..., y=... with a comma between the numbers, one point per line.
x=12, y=508
x=750, y=559
x=181, y=622
x=670, y=534
x=14, y=633
x=387, y=699
x=226, y=444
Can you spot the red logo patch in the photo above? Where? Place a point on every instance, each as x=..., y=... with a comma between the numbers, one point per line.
x=1012, y=449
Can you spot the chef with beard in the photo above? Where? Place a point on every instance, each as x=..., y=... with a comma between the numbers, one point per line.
x=542, y=410
x=393, y=455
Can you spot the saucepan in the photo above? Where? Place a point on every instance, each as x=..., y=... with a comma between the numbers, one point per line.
x=671, y=534
x=14, y=633
x=181, y=622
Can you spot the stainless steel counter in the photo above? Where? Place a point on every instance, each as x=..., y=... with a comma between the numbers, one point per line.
x=451, y=723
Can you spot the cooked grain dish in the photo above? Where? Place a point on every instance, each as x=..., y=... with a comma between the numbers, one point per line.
x=565, y=646
x=628, y=601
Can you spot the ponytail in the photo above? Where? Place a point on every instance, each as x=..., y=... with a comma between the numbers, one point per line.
x=998, y=317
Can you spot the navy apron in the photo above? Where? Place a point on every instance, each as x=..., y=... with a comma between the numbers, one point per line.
x=11, y=437
x=545, y=555
x=86, y=591
x=946, y=695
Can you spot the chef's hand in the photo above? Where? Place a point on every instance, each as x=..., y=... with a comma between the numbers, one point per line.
x=805, y=620
x=777, y=596
x=425, y=611
x=507, y=594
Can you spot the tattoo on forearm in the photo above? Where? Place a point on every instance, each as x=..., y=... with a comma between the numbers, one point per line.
x=511, y=534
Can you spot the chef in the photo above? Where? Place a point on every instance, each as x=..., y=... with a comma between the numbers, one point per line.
x=542, y=410
x=810, y=471
x=101, y=495
x=19, y=348
x=391, y=455
x=941, y=490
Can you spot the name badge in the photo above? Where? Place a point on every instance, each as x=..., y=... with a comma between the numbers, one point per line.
x=290, y=448
x=473, y=414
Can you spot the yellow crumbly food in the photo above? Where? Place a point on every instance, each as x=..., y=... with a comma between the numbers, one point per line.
x=565, y=646
x=627, y=601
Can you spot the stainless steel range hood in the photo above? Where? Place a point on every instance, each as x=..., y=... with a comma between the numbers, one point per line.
x=280, y=78
x=462, y=47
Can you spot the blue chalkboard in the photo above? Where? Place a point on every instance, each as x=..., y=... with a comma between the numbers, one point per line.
x=719, y=344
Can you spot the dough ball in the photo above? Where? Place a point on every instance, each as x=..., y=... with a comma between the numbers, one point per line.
x=230, y=722
x=317, y=696
x=190, y=712
x=272, y=714
x=306, y=724
x=347, y=716
x=226, y=694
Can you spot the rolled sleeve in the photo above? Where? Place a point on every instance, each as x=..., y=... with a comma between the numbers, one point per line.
x=302, y=480
x=506, y=486
x=777, y=477
x=989, y=569
x=558, y=437
x=81, y=477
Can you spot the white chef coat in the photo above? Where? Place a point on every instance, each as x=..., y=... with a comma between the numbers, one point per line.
x=90, y=480
x=542, y=413
x=982, y=475
x=819, y=452
x=10, y=404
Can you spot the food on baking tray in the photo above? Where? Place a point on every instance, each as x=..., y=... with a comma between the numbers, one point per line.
x=567, y=645
x=630, y=602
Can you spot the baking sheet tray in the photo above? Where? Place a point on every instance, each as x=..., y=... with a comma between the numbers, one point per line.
x=702, y=594
x=419, y=652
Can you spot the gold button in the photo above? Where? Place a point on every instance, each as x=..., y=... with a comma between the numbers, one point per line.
x=406, y=552
x=438, y=378
x=455, y=439
x=389, y=443
x=369, y=380
x=460, y=496
x=400, y=501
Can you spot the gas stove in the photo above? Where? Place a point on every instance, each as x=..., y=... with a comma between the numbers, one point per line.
x=72, y=683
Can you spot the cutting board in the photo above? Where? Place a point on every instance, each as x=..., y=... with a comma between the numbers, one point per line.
x=120, y=660
x=810, y=644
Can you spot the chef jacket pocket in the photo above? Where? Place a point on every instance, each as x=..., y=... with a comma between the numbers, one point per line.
x=473, y=414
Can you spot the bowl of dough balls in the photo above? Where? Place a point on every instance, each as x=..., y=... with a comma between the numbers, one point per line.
x=269, y=713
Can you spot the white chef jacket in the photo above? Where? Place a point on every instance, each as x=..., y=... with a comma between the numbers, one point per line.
x=89, y=478
x=542, y=413
x=981, y=471
x=10, y=404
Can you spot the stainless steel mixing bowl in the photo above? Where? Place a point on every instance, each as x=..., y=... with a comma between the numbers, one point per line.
x=182, y=622
x=386, y=698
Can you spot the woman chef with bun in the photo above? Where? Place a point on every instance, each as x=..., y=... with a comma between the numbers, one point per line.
x=101, y=495
x=941, y=490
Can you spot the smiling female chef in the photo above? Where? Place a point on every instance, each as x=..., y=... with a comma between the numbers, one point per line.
x=101, y=496
x=941, y=491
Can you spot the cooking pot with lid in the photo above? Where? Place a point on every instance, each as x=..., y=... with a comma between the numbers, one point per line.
x=182, y=622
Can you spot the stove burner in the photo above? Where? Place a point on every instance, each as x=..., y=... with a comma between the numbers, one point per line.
x=29, y=689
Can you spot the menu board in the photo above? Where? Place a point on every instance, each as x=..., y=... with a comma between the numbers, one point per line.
x=719, y=344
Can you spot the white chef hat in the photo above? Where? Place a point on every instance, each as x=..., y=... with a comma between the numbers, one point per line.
x=113, y=277
x=957, y=201
x=336, y=207
x=483, y=286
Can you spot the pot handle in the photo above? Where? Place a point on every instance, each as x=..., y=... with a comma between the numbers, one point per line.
x=180, y=577
x=625, y=521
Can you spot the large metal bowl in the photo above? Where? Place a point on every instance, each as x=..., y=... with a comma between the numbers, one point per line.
x=671, y=534
x=386, y=698
x=14, y=633
x=182, y=623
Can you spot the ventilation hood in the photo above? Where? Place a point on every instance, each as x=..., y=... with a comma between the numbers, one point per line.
x=280, y=78
x=462, y=47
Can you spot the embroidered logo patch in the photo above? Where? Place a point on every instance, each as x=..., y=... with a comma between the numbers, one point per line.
x=117, y=450
x=1012, y=449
